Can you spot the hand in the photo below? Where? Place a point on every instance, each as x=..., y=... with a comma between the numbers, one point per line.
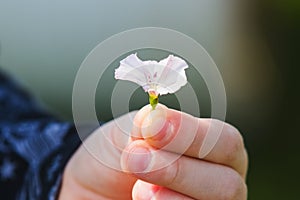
x=162, y=158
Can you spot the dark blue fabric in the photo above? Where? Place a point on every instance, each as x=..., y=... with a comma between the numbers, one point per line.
x=34, y=146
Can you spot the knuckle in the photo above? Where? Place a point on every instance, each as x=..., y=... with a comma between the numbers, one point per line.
x=173, y=173
x=235, y=188
x=235, y=143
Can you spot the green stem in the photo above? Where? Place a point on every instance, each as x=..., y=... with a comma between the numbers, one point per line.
x=153, y=101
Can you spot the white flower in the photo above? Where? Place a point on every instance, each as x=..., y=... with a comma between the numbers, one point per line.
x=156, y=78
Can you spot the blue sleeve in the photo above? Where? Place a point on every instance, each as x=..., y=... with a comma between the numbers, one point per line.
x=34, y=146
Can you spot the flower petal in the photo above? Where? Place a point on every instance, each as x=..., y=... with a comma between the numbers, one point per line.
x=130, y=69
x=132, y=61
x=172, y=83
x=173, y=63
x=173, y=76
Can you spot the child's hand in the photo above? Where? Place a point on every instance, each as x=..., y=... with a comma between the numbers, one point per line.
x=161, y=158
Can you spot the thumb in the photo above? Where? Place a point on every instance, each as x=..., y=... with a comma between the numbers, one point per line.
x=165, y=128
x=107, y=142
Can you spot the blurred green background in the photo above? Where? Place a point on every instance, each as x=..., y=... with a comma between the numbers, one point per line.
x=255, y=45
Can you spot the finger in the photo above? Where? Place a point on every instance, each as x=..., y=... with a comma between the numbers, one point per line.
x=147, y=191
x=189, y=176
x=178, y=132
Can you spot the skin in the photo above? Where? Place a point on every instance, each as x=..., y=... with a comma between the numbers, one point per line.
x=160, y=157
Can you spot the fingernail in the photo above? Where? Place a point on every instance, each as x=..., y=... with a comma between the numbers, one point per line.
x=138, y=160
x=155, y=125
x=145, y=191
x=138, y=120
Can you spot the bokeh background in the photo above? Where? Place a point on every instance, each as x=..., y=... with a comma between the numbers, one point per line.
x=255, y=45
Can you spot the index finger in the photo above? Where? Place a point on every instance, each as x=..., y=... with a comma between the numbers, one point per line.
x=178, y=132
